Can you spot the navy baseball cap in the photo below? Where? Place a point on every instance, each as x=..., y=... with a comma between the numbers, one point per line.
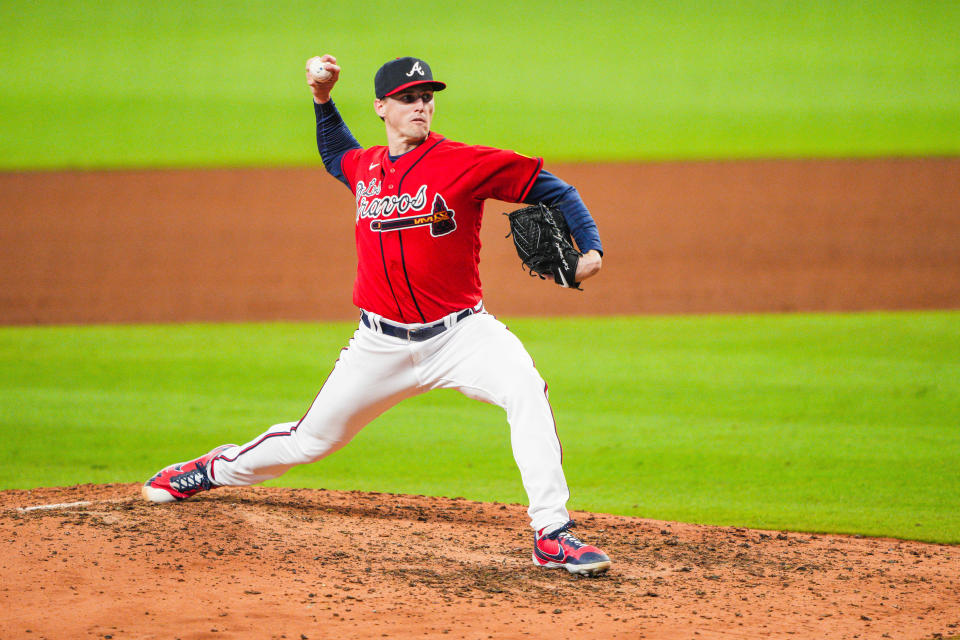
x=402, y=73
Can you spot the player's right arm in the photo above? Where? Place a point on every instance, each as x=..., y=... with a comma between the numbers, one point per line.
x=334, y=139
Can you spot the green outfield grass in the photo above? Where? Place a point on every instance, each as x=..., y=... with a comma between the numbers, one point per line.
x=834, y=423
x=123, y=83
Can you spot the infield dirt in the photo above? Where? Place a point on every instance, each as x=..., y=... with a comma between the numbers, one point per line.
x=288, y=563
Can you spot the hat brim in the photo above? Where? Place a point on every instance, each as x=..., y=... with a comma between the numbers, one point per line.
x=437, y=86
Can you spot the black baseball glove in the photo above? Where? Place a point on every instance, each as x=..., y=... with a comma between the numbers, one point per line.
x=543, y=243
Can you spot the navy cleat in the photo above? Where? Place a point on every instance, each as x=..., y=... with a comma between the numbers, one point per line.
x=560, y=548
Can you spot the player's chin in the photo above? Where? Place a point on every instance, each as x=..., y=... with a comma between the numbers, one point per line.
x=419, y=133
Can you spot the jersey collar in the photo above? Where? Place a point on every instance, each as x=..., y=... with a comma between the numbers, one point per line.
x=410, y=157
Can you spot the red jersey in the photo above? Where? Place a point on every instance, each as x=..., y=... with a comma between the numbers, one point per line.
x=418, y=223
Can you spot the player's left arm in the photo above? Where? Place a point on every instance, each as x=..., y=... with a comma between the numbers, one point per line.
x=551, y=190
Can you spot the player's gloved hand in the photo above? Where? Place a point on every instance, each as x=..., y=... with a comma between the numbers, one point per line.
x=321, y=88
x=542, y=240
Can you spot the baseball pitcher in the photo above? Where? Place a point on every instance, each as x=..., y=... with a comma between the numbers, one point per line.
x=419, y=204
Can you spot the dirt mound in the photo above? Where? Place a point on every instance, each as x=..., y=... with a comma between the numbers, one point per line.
x=286, y=563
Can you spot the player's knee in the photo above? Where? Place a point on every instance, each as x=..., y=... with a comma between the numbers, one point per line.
x=523, y=382
x=314, y=446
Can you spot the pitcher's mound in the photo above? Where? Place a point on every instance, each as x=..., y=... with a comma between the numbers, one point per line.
x=97, y=561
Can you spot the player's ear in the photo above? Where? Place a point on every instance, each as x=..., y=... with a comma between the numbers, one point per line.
x=379, y=107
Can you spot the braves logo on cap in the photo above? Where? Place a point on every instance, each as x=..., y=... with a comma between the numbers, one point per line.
x=397, y=75
x=415, y=69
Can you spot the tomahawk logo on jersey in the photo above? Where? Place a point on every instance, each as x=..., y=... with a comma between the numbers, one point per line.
x=418, y=223
x=441, y=220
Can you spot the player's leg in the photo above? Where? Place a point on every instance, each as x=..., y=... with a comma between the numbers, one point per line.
x=482, y=359
x=372, y=374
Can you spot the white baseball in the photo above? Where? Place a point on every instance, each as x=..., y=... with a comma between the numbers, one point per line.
x=319, y=70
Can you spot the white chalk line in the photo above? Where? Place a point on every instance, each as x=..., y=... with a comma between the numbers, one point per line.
x=70, y=505
x=58, y=505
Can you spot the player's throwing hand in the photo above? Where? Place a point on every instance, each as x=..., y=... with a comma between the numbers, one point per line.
x=319, y=85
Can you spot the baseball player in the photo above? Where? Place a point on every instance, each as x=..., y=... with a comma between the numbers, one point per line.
x=423, y=326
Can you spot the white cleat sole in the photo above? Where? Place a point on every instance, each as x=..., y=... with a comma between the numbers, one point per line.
x=594, y=569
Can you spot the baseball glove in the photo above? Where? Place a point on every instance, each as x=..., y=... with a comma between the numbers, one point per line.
x=543, y=243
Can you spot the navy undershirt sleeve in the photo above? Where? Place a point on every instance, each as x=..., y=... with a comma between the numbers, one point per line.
x=333, y=138
x=551, y=190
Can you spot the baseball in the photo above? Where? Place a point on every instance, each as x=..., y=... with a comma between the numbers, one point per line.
x=318, y=70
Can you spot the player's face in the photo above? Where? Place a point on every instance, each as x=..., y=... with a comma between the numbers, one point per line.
x=408, y=113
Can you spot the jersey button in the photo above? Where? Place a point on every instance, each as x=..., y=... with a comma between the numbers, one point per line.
x=393, y=170
x=389, y=186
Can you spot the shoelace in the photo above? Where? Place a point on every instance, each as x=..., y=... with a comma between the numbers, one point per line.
x=571, y=540
x=196, y=479
x=564, y=534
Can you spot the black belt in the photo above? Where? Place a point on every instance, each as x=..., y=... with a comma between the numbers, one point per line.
x=421, y=333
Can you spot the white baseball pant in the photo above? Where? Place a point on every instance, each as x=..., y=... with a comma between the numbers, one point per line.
x=478, y=356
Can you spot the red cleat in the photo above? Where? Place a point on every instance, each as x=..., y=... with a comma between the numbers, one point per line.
x=182, y=480
x=561, y=548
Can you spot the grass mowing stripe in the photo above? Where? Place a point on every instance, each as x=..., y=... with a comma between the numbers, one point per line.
x=211, y=84
x=829, y=422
